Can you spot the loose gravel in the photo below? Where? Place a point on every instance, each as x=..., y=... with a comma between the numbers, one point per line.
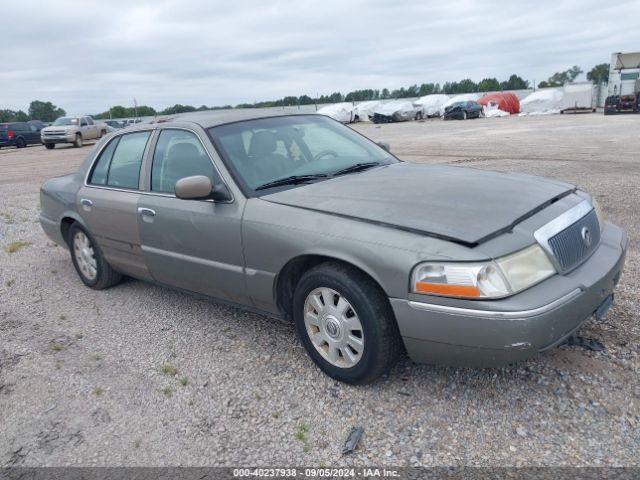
x=143, y=375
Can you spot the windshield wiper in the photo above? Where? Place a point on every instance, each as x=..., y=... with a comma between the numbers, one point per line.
x=358, y=167
x=292, y=180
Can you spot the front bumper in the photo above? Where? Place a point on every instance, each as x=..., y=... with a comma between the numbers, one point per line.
x=67, y=138
x=491, y=333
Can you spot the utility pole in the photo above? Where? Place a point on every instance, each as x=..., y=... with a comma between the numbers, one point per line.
x=135, y=108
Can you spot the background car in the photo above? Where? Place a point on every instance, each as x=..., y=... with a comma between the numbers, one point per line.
x=19, y=134
x=463, y=110
x=114, y=124
x=396, y=111
x=73, y=130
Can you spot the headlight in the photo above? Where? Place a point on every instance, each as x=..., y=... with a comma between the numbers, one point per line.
x=599, y=212
x=493, y=279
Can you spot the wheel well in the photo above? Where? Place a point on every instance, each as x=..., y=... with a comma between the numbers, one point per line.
x=290, y=275
x=65, y=226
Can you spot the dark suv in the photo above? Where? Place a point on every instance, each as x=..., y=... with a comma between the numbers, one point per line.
x=19, y=134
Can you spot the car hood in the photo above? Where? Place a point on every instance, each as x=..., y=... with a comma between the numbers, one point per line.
x=464, y=205
x=61, y=127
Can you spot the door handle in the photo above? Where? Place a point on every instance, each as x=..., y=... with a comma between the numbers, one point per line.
x=147, y=214
x=86, y=204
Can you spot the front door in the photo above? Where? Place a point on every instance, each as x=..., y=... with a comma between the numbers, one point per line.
x=190, y=244
x=108, y=205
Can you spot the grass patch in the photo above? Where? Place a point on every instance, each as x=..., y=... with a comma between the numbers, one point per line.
x=9, y=283
x=168, y=391
x=62, y=316
x=275, y=414
x=8, y=218
x=56, y=347
x=257, y=395
x=191, y=403
x=184, y=381
x=169, y=370
x=136, y=444
x=79, y=335
x=13, y=247
x=301, y=433
x=98, y=391
x=96, y=356
x=54, y=271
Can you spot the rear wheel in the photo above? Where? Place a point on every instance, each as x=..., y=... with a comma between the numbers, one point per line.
x=20, y=143
x=49, y=146
x=92, y=268
x=78, y=141
x=345, y=323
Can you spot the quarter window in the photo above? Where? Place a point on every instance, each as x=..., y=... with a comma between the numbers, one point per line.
x=178, y=154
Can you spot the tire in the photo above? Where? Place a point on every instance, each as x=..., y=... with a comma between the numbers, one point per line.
x=104, y=276
x=49, y=146
x=380, y=343
x=79, y=142
x=20, y=143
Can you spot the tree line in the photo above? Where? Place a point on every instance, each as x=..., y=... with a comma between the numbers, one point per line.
x=47, y=112
x=38, y=110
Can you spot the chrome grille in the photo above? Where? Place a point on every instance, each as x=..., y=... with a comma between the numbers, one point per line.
x=575, y=243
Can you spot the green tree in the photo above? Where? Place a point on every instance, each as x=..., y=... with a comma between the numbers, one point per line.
x=385, y=94
x=514, y=83
x=13, y=116
x=45, y=111
x=488, y=85
x=558, y=79
x=599, y=73
x=177, y=108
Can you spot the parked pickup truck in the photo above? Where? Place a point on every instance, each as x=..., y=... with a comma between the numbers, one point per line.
x=72, y=130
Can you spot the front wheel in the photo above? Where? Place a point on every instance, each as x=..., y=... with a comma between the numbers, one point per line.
x=92, y=268
x=345, y=323
x=49, y=146
x=78, y=141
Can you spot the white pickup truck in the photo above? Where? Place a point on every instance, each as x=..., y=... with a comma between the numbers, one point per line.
x=72, y=130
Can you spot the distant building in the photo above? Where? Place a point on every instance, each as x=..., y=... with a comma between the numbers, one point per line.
x=624, y=73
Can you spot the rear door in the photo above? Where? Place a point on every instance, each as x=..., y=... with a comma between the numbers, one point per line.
x=190, y=244
x=108, y=201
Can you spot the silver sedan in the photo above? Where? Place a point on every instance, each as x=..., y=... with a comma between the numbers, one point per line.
x=300, y=217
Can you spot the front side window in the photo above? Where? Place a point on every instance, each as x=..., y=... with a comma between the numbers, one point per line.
x=266, y=150
x=83, y=123
x=178, y=154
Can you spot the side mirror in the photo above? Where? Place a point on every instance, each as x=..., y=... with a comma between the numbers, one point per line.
x=199, y=187
x=384, y=146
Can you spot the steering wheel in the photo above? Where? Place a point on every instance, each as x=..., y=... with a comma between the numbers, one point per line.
x=324, y=153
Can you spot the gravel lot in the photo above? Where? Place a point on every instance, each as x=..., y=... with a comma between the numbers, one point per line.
x=142, y=375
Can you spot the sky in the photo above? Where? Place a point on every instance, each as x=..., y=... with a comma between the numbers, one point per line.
x=87, y=56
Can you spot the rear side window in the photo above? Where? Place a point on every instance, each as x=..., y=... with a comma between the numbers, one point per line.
x=101, y=168
x=124, y=171
x=119, y=163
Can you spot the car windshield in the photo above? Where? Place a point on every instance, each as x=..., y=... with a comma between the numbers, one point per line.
x=298, y=147
x=66, y=121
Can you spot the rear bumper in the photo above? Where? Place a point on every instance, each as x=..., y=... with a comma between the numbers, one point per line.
x=506, y=331
x=52, y=230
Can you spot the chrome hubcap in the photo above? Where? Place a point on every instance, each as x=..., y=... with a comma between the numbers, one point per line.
x=333, y=327
x=85, y=258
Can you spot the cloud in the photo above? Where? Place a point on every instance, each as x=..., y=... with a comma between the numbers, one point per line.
x=87, y=56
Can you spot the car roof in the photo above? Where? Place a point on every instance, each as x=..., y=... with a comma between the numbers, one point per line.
x=220, y=117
